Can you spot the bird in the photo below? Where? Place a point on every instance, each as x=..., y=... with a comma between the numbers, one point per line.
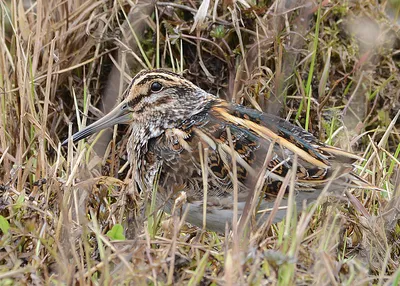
x=182, y=137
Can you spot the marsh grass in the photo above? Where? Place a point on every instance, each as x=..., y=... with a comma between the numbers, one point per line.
x=331, y=68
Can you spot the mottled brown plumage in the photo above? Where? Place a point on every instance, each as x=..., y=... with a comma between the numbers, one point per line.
x=171, y=117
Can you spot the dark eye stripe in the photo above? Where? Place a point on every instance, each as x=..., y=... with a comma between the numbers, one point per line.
x=136, y=100
x=159, y=102
x=166, y=78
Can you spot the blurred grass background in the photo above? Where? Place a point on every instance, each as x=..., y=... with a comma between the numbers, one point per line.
x=71, y=217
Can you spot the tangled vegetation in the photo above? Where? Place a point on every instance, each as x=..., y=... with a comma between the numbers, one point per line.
x=71, y=216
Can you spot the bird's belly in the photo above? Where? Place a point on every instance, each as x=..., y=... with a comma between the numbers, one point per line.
x=218, y=216
x=219, y=200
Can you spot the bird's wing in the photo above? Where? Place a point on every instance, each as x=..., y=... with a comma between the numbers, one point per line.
x=236, y=133
x=316, y=160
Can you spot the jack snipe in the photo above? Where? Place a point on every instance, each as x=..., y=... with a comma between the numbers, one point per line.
x=171, y=117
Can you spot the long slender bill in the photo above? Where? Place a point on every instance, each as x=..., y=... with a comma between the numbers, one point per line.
x=119, y=115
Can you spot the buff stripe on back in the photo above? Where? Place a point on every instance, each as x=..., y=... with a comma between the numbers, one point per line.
x=266, y=133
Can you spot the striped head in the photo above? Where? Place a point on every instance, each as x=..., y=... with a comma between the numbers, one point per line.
x=155, y=100
x=161, y=92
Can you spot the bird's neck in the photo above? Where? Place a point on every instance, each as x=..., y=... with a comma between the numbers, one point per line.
x=154, y=124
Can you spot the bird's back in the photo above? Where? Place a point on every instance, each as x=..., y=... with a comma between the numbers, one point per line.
x=258, y=144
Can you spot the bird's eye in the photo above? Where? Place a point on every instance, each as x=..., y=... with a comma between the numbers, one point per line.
x=156, y=86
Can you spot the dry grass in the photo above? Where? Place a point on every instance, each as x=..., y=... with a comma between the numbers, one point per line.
x=332, y=69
